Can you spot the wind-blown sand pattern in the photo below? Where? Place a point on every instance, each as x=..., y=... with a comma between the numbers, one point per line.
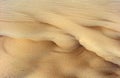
x=59, y=39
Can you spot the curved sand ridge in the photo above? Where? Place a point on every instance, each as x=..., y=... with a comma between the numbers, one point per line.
x=67, y=24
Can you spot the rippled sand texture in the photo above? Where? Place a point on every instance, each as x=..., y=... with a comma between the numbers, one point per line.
x=59, y=39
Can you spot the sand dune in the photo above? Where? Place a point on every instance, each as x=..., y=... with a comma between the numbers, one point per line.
x=59, y=39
